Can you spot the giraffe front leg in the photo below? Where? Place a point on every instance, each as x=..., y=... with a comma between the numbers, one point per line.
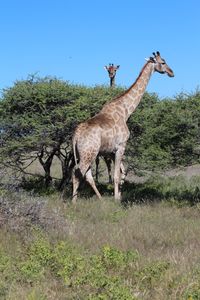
x=123, y=176
x=118, y=159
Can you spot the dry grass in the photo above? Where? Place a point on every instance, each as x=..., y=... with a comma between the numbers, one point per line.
x=159, y=233
x=157, y=230
x=165, y=235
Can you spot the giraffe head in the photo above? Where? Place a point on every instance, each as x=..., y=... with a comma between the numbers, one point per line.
x=112, y=70
x=160, y=65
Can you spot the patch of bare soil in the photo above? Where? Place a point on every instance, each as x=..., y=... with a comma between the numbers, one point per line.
x=187, y=172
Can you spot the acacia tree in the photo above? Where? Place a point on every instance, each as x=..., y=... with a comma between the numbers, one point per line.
x=34, y=122
x=38, y=116
x=166, y=133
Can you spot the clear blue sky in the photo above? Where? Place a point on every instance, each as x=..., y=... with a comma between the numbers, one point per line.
x=73, y=40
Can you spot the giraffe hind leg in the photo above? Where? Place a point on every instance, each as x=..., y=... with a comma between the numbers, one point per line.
x=78, y=176
x=97, y=168
x=108, y=162
x=91, y=181
x=76, y=183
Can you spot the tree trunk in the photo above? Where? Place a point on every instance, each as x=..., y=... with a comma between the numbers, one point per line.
x=67, y=164
x=47, y=177
x=46, y=164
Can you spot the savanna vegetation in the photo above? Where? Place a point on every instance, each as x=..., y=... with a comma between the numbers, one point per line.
x=99, y=250
x=38, y=116
x=147, y=247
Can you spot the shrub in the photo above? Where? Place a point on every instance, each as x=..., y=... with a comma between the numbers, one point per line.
x=31, y=270
x=152, y=274
x=38, y=259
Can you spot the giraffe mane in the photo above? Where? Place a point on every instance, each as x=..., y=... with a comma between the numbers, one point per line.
x=126, y=91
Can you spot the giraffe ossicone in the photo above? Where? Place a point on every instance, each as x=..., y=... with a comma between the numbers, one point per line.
x=107, y=132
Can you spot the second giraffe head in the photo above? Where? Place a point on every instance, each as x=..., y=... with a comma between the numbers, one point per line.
x=112, y=70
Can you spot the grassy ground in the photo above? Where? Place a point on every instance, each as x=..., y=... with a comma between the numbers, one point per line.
x=146, y=248
x=105, y=251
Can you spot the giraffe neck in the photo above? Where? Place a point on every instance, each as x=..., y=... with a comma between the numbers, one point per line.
x=112, y=81
x=132, y=97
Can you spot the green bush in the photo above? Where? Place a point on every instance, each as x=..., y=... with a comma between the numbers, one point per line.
x=115, y=258
x=41, y=251
x=94, y=273
x=110, y=273
x=151, y=274
x=37, y=261
x=35, y=294
x=176, y=190
x=31, y=270
x=67, y=263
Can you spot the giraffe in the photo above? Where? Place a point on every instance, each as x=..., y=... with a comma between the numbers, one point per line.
x=112, y=70
x=107, y=131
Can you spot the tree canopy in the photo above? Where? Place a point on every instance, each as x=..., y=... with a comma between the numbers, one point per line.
x=38, y=117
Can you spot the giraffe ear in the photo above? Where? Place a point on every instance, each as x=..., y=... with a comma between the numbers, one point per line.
x=118, y=66
x=152, y=59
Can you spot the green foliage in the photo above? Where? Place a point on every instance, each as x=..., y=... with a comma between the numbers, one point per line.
x=97, y=276
x=6, y=266
x=39, y=115
x=36, y=295
x=8, y=273
x=4, y=262
x=116, y=215
x=177, y=190
x=193, y=290
x=40, y=265
x=151, y=274
x=115, y=258
x=67, y=263
x=31, y=271
x=41, y=251
x=166, y=133
x=39, y=255
x=37, y=185
x=193, y=294
x=41, y=111
x=109, y=274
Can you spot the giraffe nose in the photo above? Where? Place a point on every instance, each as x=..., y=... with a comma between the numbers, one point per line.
x=170, y=73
